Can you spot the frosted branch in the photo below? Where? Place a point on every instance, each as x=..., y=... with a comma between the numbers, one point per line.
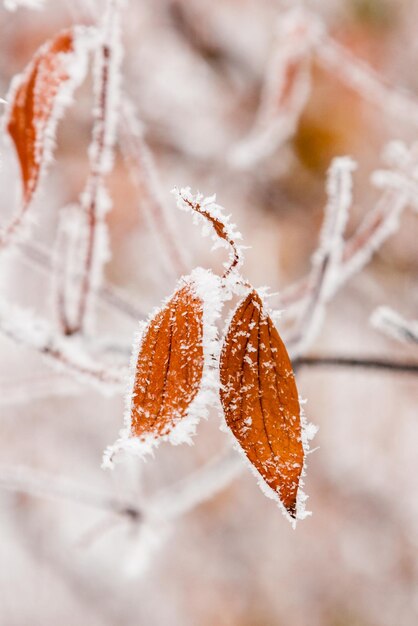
x=327, y=259
x=38, y=484
x=285, y=90
x=392, y=324
x=12, y=5
x=94, y=201
x=375, y=228
x=197, y=488
x=144, y=176
x=20, y=390
x=40, y=258
x=224, y=233
x=365, y=81
x=63, y=353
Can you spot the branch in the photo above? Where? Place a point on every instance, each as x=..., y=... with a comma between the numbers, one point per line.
x=33, y=332
x=140, y=163
x=40, y=258
x=375, y=228
x=385, y=365
x=327, y=259
x=225, y=232
x=165, y=505
x=365, y=81
x=202, y=485
x=286, y=88
x=394, y=325
x=40, y=485
x=94, y=201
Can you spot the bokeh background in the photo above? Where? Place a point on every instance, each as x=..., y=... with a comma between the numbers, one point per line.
x=194, y=70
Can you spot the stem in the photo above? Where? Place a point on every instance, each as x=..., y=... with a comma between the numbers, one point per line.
x=40, y=485
x=385, y=365
x=221, y=231
x=140, y=163
x=40, y=258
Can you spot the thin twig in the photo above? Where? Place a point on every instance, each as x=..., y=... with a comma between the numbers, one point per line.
x=360, y=77
x=114, y=297
x=143, y=174
x=285, y=91
x=385, y=365
x=327, y=259
x=38, y=484
x=220, y=224
x=24, y=328
x=392, y=324
x=94, y=199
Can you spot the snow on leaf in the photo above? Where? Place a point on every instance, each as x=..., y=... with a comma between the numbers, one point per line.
x=173, y=379
x=169, y=367
x=260, y=400
x=36, y=100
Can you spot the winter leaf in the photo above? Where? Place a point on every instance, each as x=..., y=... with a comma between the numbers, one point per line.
x=36, y=101
x=33, y=104
x=260, y=399
x=169, y=367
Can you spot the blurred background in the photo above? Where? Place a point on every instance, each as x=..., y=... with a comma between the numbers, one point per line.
x=195, y=72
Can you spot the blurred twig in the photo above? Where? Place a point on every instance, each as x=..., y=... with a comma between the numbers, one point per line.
x=378, y=364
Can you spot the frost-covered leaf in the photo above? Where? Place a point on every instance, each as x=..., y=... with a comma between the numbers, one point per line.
x=33, y=104
x=36, y=101
x=260, y=399
x=169, y=367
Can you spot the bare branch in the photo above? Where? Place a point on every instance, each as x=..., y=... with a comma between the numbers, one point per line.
x=327, y=259
x=143, y=174
x=94, y=201
x=38, y=484
x=202, y=485
x=365, y=81
x=286, y=88
x=385, y=365
x=66, y=354
x=394, y=325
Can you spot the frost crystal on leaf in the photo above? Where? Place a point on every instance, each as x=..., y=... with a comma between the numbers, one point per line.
x=172, y=382
x=261, y=403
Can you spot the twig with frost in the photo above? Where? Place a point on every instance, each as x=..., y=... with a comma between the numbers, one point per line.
x=225, y=233
x=94, y=201
x=286, y=88
x=394, y=325
x=64, y=353
x=327, y=259
x=202, y=485
x=360, y=77
x=379, y=224
x=144, y=175
x=375, y=228
x=12, y=5
x=165, y=505
x=21, y=390
x=40, y=258
x=362, y=363
x=39, y=484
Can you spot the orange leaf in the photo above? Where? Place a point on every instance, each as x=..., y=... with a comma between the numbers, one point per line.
x=169, y=367
x=33, y=104
x=260, y=399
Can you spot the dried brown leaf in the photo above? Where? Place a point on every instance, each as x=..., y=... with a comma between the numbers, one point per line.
x=169, y=367
x=33, y=106
x=260, y=399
